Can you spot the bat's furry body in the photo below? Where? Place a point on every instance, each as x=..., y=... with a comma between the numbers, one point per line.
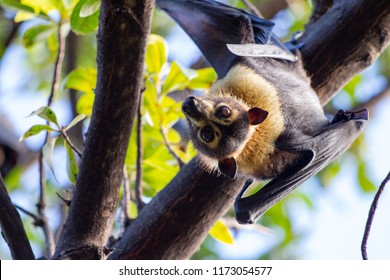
x=230, y=126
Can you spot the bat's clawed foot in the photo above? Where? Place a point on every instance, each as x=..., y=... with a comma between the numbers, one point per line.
x=343, y=116
x=293, y=44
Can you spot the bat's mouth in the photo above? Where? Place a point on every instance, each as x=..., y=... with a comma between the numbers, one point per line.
x=343, y=116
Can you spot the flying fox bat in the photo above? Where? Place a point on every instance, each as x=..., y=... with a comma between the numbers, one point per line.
x=261, y=119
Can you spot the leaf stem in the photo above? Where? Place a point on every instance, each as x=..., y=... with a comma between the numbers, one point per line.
x=69, y=142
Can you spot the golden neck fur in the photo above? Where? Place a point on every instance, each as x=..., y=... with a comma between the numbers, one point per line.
x=254, y=91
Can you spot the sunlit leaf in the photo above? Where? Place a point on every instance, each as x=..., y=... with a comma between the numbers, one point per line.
x=89, y=8
x=23, y=9
x=75, y=121
x=221, y=233
x=45, y=113
x=205, y=78
x=34, y=130
x=71, y=164
x=81, y=79
x=83, y=25
x=42, y=5
x=364, y=180
x=52, y=42
x=178, y=78
x=156, y=53
x=37, y=33
x=47, y=152
x=85, y=104
x=23, y=16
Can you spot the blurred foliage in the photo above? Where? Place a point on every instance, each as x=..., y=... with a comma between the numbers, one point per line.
x=43, y=22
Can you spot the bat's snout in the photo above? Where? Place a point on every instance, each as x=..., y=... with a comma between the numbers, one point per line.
x=189, y=105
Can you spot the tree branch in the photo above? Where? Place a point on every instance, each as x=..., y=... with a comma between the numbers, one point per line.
x=371, y=216
x=320, y=8
x=12, y=227
x=343, y=42
x=176, y=221
x=123, y=26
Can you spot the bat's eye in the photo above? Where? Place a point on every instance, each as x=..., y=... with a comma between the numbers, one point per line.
x=223, y=112
x=207, y=134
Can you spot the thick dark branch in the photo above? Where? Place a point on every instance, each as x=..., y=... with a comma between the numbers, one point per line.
x=123, y=29
x=175, y=223
x=12, y=227
x=320, y=8
x=343, y=42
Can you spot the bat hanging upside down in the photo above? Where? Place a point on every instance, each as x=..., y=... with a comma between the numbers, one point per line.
x=261, y=120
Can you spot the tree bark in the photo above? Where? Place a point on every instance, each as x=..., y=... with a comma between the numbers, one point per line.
x=12, y=227
x=338, y=45
x=345, y=40
x=123, y=29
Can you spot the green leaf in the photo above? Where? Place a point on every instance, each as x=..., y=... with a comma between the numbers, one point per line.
x=221, y=233
x=37, y=33
x=178, y=78
x=364, y=181
x=47, y=152
x=34, y=130
x=81, y=79
x=89, y=8
x=45, y=113
x=42, y=5
x=156, y=53
x=71, y=164
x=75, y=121
x=19, y=6
x=52, y=42
x=83, y=25
x=205, y=78
x=85, y=104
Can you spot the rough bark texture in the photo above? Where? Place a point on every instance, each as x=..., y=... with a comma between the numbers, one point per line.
x=12, y=227
x=338, y=45
x=176, y=221
x=123, y=29
x=345, y=40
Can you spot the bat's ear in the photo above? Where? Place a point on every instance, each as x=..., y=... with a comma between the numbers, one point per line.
x=256, y=115
x=228, y=167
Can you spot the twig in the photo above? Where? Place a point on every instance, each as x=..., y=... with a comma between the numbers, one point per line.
x=371, y=215
x=57, y=66
x=12, y=34
x=64, y=200
x=28, y=213
x=69, y=142
x=138, y=176
x=12, y=227
x=170, y=150
x=41, y=205
x=252, y=8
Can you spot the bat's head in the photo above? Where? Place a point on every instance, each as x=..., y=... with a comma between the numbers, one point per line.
x=220, y=127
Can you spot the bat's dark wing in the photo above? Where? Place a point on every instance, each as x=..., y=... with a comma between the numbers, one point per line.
x=212, y=25
x=316, y=152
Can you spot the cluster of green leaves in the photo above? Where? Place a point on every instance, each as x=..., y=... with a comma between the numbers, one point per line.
x=47, y=114
x=82, y=15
